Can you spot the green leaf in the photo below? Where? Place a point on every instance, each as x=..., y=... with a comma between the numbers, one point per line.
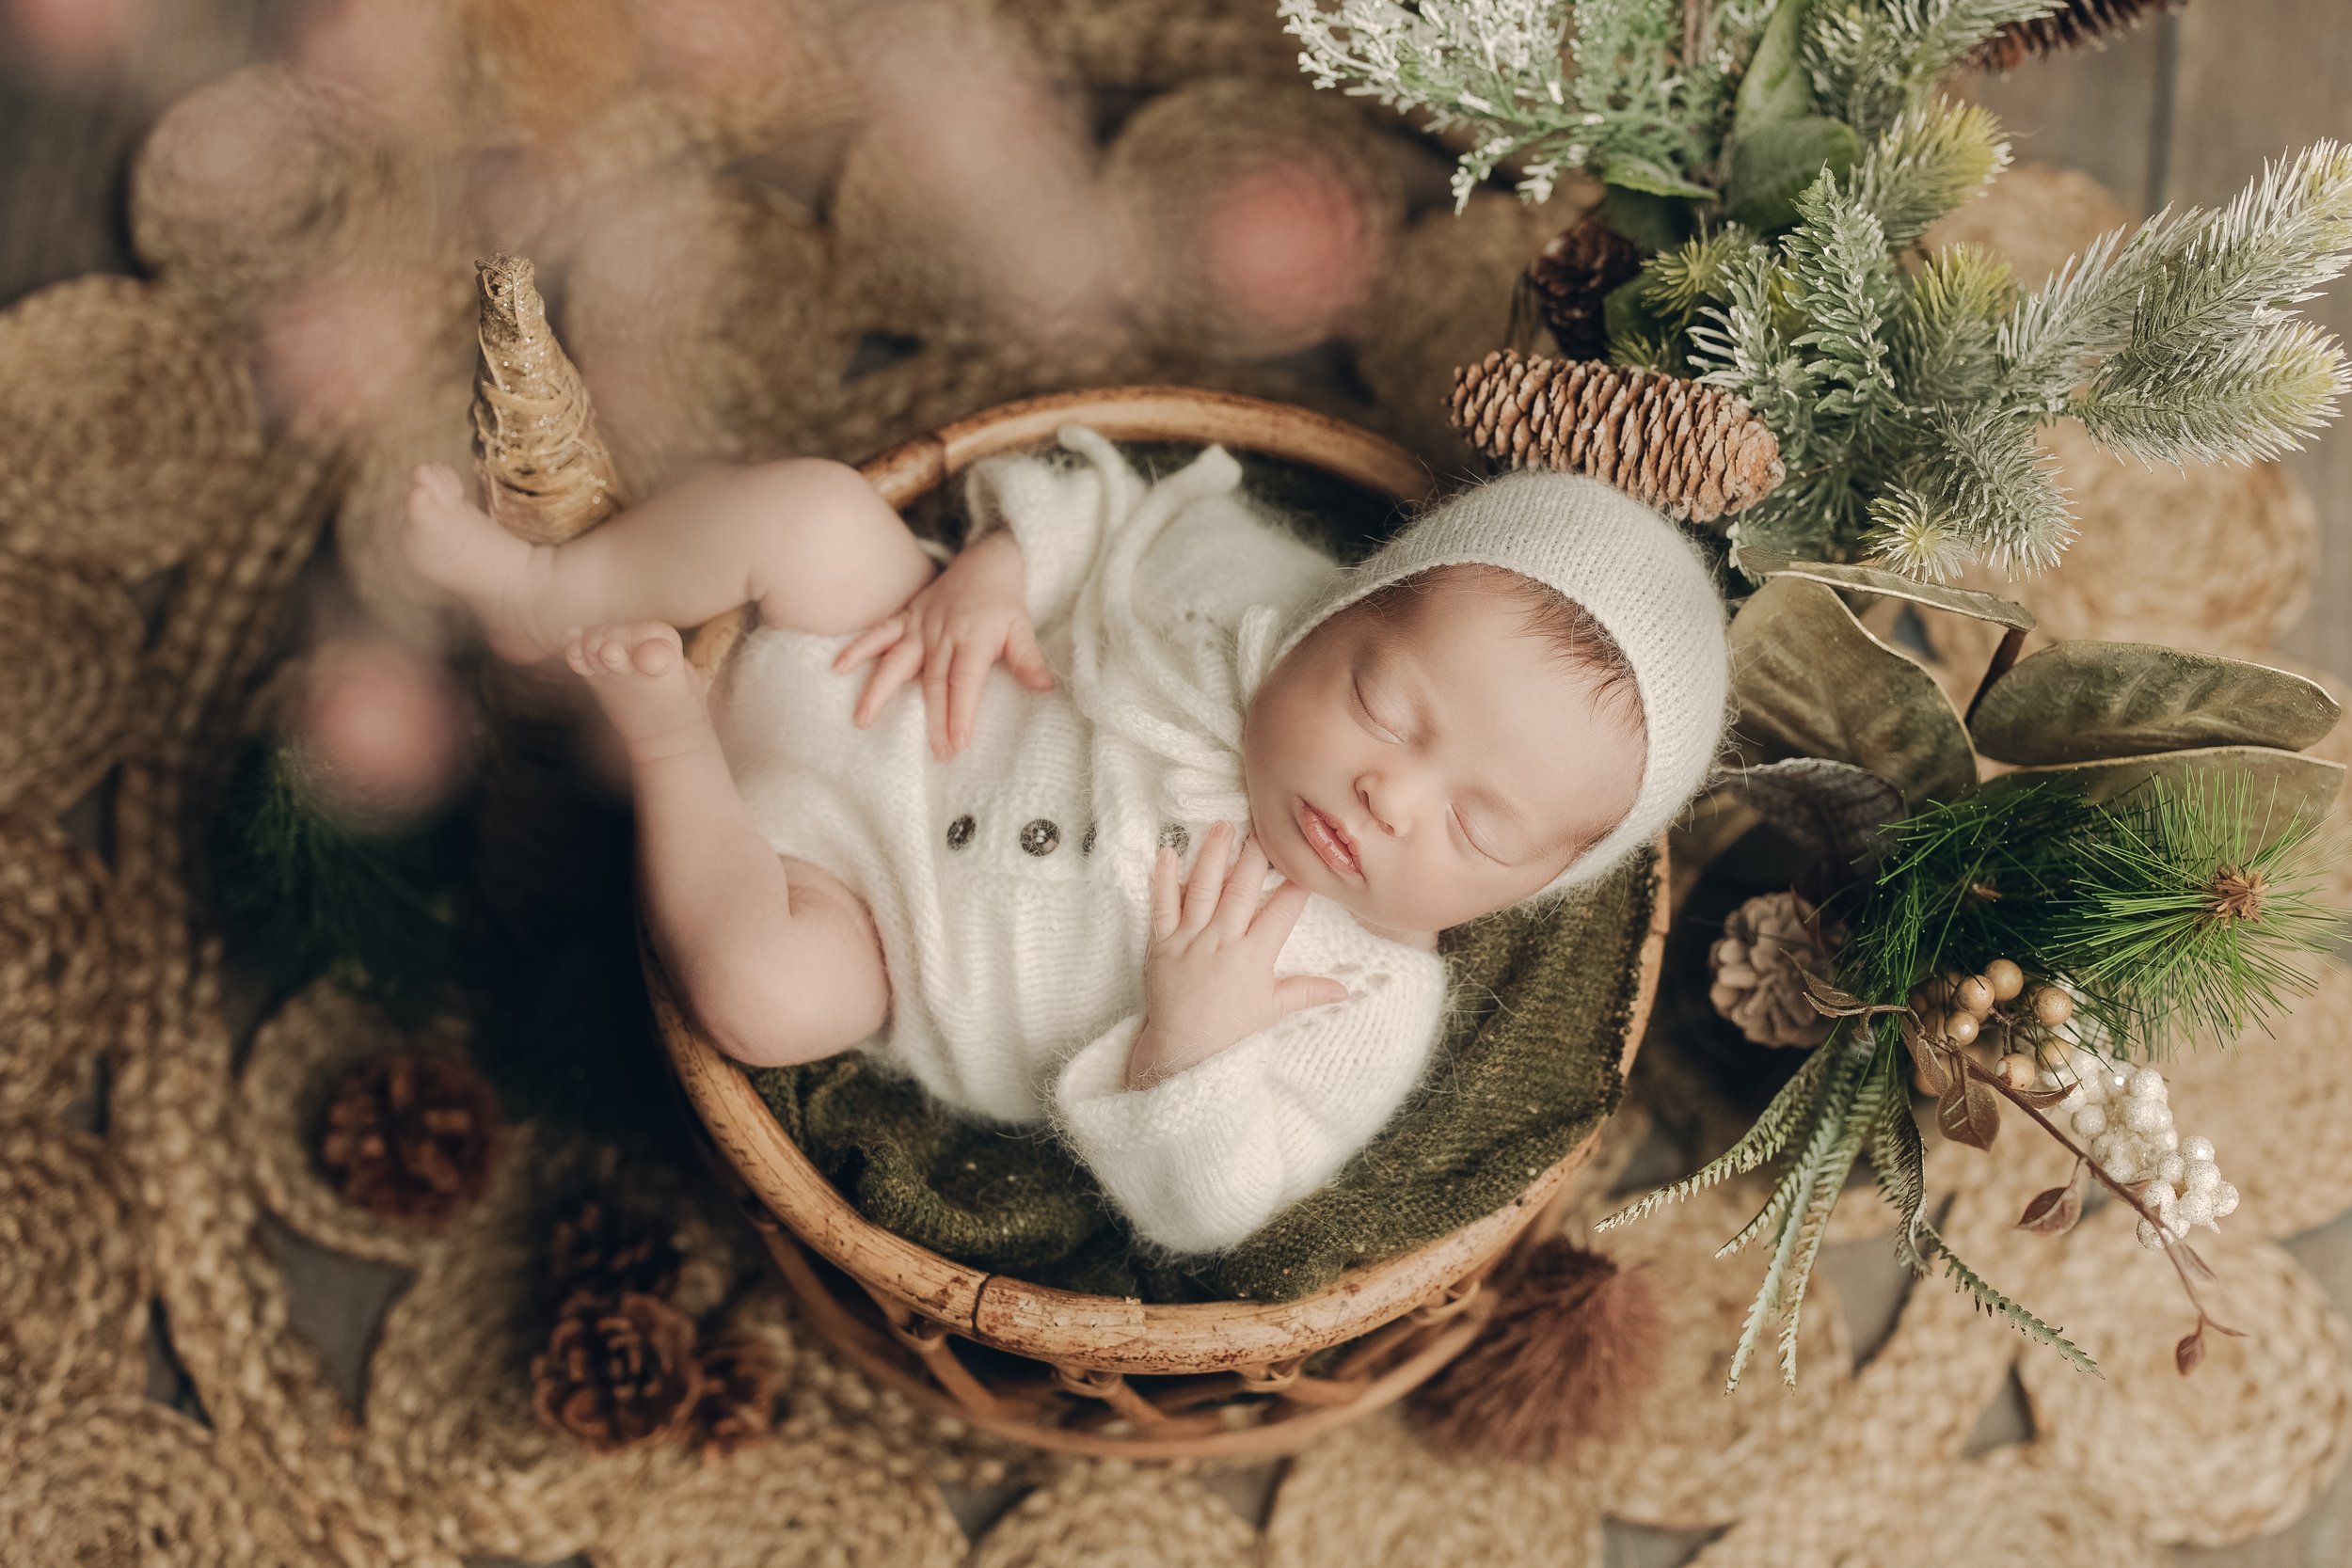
x=2287, y=786
x=1811, y=681
x=1831, y=807
x=1654, y=223
x=1776, y=86
x=1893, y=585
x=1651, y=178
x=2089, y=701
x=1773, y=165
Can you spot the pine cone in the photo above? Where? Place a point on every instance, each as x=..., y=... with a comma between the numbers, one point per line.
x=2071, y=26
x=1573, y=276
x=598, y=1250
x=617, y=1372
x=1768, y=945
x=736, y=1406
x=1685, y=448
x=409, y=1134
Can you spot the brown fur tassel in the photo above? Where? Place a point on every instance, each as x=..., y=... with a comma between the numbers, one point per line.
x=1566, y=1361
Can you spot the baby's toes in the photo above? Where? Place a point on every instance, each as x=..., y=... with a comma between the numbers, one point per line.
x=657, y=651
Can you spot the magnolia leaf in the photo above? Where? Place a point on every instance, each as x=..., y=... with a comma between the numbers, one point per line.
x=1655, y=223
x=1812, y=682
x=1968, y=1112
x=1759, y=562
x=2055, y=1212
x=2084, y=702
x=1777, y=86
x=2284, y=788
x=1831, y=807
x=2190, y=1352
x=1772, y=165
x=1935, y=1078
x=1651, y=178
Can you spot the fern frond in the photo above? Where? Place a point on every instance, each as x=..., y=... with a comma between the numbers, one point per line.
x=1829, y=1135
x=1898, y=1162
x=1798, y=1099
x=1812, y=1222
x=1934, y=158
x=1997, y=1305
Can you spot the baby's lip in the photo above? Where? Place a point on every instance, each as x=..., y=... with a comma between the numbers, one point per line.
x=1330, y=841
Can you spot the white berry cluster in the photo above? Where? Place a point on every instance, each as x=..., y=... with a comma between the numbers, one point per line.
x=2120, y=1115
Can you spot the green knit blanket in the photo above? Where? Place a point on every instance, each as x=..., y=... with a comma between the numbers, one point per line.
x=1540, y=1006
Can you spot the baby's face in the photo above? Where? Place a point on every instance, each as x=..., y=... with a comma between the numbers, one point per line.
x=1435, y=762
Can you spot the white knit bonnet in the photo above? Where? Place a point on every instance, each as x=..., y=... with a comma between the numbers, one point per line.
x=1632, y=571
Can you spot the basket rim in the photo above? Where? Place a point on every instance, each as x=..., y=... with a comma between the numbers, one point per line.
x=1111, y=1333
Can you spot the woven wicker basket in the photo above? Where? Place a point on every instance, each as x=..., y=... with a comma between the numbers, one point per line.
x=1097, y=1374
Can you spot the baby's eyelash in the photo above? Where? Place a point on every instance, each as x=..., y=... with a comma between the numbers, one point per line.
x=1365, y=704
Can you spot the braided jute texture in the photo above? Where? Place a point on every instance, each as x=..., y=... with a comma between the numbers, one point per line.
x=55, y=987
x=2013, y=1508
x=2239, y=1448
x=1693, y=1455
x=74, y=1293
x=1112, y=1514
x=1191, y=256
x=121, y=1481
x=1371, y=1496
x=127, y=435
x=1892, y=1435
x=450, y=1388
x=805, y=1495
x=290, y=1071
x=69, y=638
x=2276, y=1108
x=544, y=472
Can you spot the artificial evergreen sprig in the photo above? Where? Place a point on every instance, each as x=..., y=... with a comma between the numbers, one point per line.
x=1636, y=90
x=2176, y=900
x=1907, y=398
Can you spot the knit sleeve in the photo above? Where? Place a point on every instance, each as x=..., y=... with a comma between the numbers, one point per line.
x=1203, y=1159
x=1057, y=513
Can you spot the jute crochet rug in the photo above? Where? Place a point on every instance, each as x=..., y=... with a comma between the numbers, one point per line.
x=170, y=1395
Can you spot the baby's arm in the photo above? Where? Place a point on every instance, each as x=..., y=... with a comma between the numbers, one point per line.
x=1202, y=1134
x=777, y=962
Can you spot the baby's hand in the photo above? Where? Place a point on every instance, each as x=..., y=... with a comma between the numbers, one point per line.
x=965, y=620
x=1209, y=979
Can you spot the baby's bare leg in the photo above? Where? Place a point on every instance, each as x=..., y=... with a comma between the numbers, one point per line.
x=808, y=541
x=778, y=961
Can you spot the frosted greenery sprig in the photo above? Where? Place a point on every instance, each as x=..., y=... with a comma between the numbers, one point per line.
x=1907, y=398
x=1637, y=91
x=1870, y=61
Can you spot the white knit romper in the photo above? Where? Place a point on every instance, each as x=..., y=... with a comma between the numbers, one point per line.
x=1010, y=884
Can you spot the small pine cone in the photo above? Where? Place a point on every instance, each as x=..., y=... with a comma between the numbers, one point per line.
x=617, y=1372
x=1687, y=449
x=1573, y=276
x=408, y=1135
x=1768, y=945
x=2071, y=26
x=740, y=1378
x=599, y=1249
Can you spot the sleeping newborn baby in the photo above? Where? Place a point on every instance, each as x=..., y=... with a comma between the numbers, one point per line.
x=1170, y=879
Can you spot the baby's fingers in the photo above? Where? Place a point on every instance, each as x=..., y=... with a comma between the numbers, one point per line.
x=1277, y=916
x=896, y=669
x=1025, y=660
x=873, y=641
x=964, y=684
x=1294, y=993
x=1167, y=905
x=1239, y=901
x=1208, y=877
x=936, y=665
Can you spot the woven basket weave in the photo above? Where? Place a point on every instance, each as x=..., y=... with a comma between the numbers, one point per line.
x=1097, y=1374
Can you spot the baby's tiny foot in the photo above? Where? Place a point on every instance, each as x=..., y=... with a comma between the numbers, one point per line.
x=456, y=547
x=640, y=676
